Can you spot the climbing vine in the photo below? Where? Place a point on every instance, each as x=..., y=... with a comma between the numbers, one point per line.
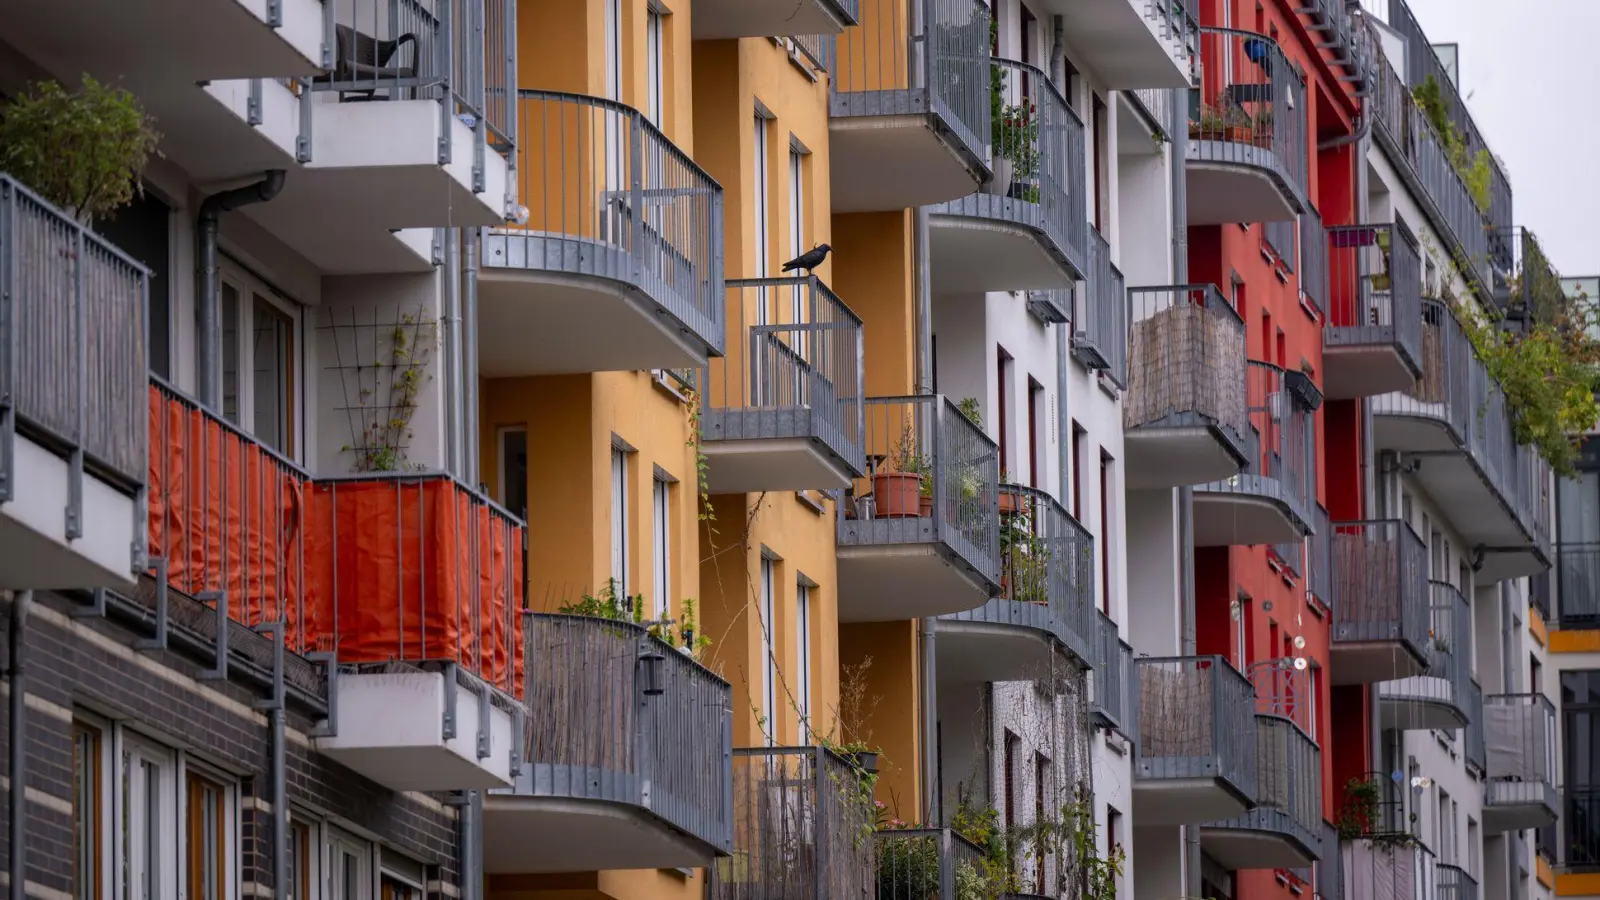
x=382, y=385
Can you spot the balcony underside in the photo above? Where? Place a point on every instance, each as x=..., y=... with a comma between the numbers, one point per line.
x=752, y=465
x=1519, y=805
x=885, y=582
x=197, y=41
x=552, y=304
x=1465, y=499
x=1186, y=801
x=722, y=19
x=1236, y=846
x=976, y=652
x=1420, y=703
x=1159, y=456
x=1232, y=182
x=989, y=243
x=1375, y=661
x=890, y=152
x=34, y=549
x=529, y=834
x=1251, y=511
x=1364, y=370
x=389, y=727
x=1120, y=44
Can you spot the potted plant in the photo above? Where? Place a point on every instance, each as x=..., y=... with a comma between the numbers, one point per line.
x=899, y=492
x=1010, y=502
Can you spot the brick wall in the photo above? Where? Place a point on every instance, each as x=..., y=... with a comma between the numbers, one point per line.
x=88, y=664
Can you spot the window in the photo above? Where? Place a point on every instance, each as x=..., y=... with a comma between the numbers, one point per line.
x=1079, y=436
x=763, y=209
x=1002, y=362
x=1106, y=499
x=1041, y=790
x=1101, y=148
x=802, y=648
x=207, y=835
x=613, y=49
x=88, y=809
x=302, y=861
x=147, y=820
x=653, y=57
x=1241, y=630
x=1035, y=400
x=797, y=225
x=619, y=521
x=400, y=878
x=264, y=403
x=514, y=470
x=143, y=230
x=662, y=517
x=1013, y=745
x=769, y=662
x=1446, y=830
x=349, y=867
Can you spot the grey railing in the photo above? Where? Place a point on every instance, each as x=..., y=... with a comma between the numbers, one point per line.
x=1036, y=152
x=1177, y=24
x=1291, y=556
x=1476, y=749
x=1456, y=884
x=1196, y=720
x=1114, y=679
x=1338, y=34
x=1580, y=825
x=1282, y=690
x=609, y=196
x=1329, y=867
x=796, y=371
x=802, y=828
x=461, y=53
x=72, y=348
x=1441, y=391
x=1278, y=464
x=937, y=61
x=1100, y=336
x=1449, y=674
x=1052, y=307
x=1279, y=238
x=1047, y=579
x=933, y=476
x=1529, y=286
x=1489, y=438
x=1382, y=870
x=1321, y=580
x=1375, y=289
x=1288, y=789
x=1250, y=109
x=1520, y=730
x=1539, y=587
x=1158, y=109
x=1186, y=362
x=1314, y=280
x=1380, y=585
x=923, y=863
x=1578, y=585
x=617, y=716
x=1532, y=495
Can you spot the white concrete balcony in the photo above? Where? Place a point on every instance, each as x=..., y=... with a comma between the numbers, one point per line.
x=1520, y=735
x=1132, y=43
x=722, y=19
x=1196, y=757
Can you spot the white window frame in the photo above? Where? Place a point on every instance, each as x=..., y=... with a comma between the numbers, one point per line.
x=107, y=874
x=613, y=48
x=336, y=840
x=619, y=520
x=168, y=876
x=394, y=866
x=661, y=497
x=797, y=229
x=769, y=661
x=249, y=288
x=655, y=107
x=762, y=189
x=230, y=815
x=802, y=642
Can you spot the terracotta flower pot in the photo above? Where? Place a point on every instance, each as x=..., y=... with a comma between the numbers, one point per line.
x=895, y=494
x=1008, y=503
x=925, y=507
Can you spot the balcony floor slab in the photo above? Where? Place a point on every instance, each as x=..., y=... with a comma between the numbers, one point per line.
x=749, y=466
x=1185, y=801
x=34, y=549
x=1246, y=848
x=1372, y=662
x=894, y=161
x=1236, y=191
x=890, y=582
x=978, y=652
x=723, y=19
x=1364, y=371
x=1243, y=518
x=1160, y=457
x=972, y=254
x=524, y=834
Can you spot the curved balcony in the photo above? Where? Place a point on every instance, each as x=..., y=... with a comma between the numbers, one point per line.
x=782, y=410
x=1025, y=229
x=1184, y=415
x=1438, y=698
x=1520, y=736
x=1380, y=602
x=1196, y=755
x=1247, y=132
x=1270, y=500
x=1046, y=601
x=1372, y=343
x=919, y=535
x=909, y=110
x=619, y=264
x=627, y=760
x=1283, y=831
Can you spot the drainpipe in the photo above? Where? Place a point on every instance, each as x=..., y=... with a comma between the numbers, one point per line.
x=20, y=604
x=469, y=332
x=450, y=322
x=211, y=210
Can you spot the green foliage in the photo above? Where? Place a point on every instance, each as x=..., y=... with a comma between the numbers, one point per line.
x=1025, y=556
x=82, y=151
x=1476, y=170
x=386, y=393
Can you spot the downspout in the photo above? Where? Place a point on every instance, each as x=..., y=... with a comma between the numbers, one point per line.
x=206, y=221
x=469, y=375
x=451, y=322
x=922, y=286
x=18, y=771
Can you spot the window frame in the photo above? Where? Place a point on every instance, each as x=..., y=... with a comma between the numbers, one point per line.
x=163, y=845
x=802, y=630
x=661, y=563
x=226, y=853
x=619, y=521
x=250, y=290
x=359, y=849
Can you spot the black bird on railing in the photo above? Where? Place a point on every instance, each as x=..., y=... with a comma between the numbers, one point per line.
x=808, y=260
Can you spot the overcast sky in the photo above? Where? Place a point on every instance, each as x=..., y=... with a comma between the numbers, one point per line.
x=1528, y=72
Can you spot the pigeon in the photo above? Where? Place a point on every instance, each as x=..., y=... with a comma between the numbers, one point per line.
x=808, y=260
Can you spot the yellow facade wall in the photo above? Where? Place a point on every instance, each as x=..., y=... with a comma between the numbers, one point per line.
x=872, y=268
x=631, y=884
x=893, y=702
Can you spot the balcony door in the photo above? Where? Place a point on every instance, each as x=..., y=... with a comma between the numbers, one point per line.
x=262, y=359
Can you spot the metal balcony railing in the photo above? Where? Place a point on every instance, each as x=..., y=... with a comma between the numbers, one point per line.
x=72, y=348
x=1532, y=496
x=1529, y=286
x=1441, y=391
x=1321, y=579
x=460, y=53
x=1036, y=152
x=1456, y=884
x=1249, y=109
x=1114, y=679
x=796, y=372
x=1288, y=789
x=1477, y=750
x=896, y=63
x=1375, y=289
x=920, y=863
x=1177, y=24
x=802, y=828
x=1336, y=31
x=609, y=196
x=933, y=476
x=1279, y=239
x=1380, y=585
x=1489, y=439
x=1520, y=730
x=1100, y=328
x=1159, y=109
x=1283, y=691
x=1330, y=867
x=1196, y=720
x=615, y=715
x=1278, y=463
x=1052, y=307
x=1449, y=675
x=1578, y=585
x=1047, y=578
x=1186, y=362
x=1375, y=870
x=1315, y=284
x=1539, y=588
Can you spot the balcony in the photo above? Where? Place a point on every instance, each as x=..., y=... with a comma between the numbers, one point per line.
x=1376, y=869
x=1270, y=500
x=1196, y=756
x=919, y=535
x=1330, y=867
x=1112, y=704
x=1529, y=289
x=626, y=763
x=1578, y=585
x=909, y=113
x=918, y=863
x=1247, y=143
x=1100, y=323
x=802, y=827
x=722, y=19
x=1455, y=884
x=1283, y=831
x=1437, y=698
x=782, y=410
x=1372, y=343
x=619, y=266
x=1025, y=229
x=1520, y=735
x=1184, y=414
x=1131, y=43
x=1477, y=750
x=1046, y=601
x=1343, y=37
x=1381, y=602
x=73, y=438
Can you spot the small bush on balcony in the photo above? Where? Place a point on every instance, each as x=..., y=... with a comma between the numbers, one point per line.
x=1475, y=169
x=81, y=150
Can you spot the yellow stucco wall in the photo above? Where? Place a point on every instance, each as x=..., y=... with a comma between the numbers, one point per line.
x=893, y=703
x=872, y=268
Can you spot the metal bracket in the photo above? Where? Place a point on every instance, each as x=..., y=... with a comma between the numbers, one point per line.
x=274, y=13
x=220, y=599
x=330, y=666
x=159, y=642
x=275, y=701
x=96, y=608
x=438, y=246
x=75, y=495
x=8, y=444
x=252, y=106
x=447, y=730
x=485, y=712
x=518, y=727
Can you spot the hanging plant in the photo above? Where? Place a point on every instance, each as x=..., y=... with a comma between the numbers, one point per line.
x=81, y=150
